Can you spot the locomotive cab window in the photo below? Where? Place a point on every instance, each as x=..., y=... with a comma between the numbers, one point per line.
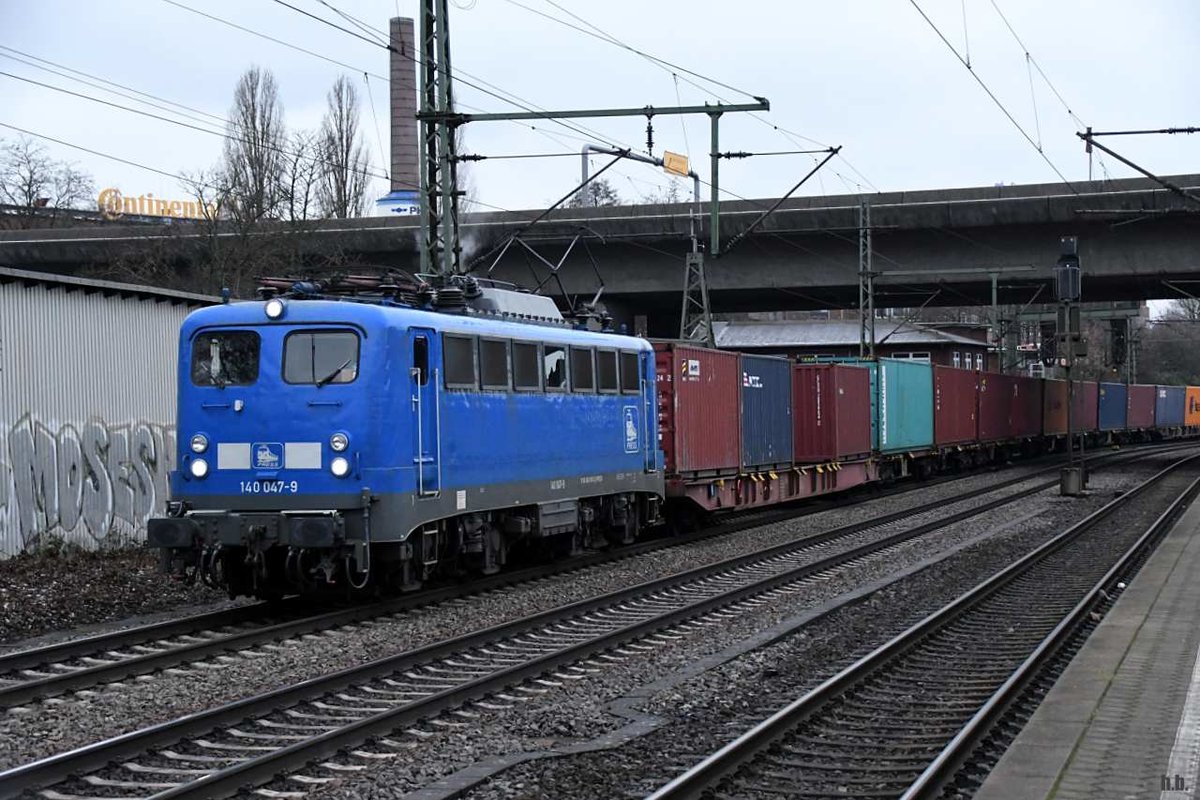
x=630, y=380
x=420, y=359
x=582, y=374
x=554, y=368
x=493, y=363
x=459, y=355
x=320, y=357
x=526, y=373
x=225, y=358
x=606, y=371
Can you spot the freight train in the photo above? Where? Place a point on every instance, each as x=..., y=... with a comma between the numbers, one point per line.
x=374, y=442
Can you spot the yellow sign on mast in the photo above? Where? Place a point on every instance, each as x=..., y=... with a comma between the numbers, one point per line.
x=675, y=163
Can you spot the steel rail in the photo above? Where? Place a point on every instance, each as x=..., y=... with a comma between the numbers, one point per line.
x=953, y=756
x=53, y=769
x=121, y=668
x=722, y=763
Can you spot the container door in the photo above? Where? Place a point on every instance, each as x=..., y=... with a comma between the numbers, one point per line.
x=425, y=381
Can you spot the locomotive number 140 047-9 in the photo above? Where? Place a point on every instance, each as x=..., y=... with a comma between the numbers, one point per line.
x=270, y=487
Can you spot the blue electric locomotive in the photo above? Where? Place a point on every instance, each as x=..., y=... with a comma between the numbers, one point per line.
x=348, y=444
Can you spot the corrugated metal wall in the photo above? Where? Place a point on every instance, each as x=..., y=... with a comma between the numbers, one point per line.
x=87, y=413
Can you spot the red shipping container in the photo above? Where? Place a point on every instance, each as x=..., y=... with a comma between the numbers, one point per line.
x=1141, y=407
x=1027, y=406
x=1054, y=407
x=1087, y=406
x=699, y=395
x=995, y=407
x=832, y=416
x=955, y=402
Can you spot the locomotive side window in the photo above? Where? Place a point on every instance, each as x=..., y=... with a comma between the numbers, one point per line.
x=320, y=357
x=554, y=368
x=582, y=377
x=493, y=363
x=631, y=382
x=225, y=358
x=606, y=371
x=459, y=355
x=420, y=359
x=527, y=377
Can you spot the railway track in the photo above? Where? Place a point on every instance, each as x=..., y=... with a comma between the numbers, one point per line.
x=355, y=712
x=30, y=675
x=903, y=720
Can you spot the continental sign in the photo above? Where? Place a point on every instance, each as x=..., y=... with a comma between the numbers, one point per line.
x=113, y=206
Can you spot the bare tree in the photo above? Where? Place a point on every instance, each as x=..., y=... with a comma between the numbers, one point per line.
x=31, y=180
x=343, y=190
x=254, y=157
x=302, y=177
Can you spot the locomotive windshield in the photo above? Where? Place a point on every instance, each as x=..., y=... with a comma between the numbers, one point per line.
x=320, y=357
x=225, y=358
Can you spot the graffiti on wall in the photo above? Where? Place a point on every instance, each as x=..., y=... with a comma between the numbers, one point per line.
x=87, y=483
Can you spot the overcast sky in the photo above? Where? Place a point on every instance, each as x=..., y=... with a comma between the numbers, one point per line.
x=870, y=75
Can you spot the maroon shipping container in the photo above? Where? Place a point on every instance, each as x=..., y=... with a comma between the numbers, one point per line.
x=1027, y=406
x=955, y=402
x=699, y=394
x=1141, y=406
x=1010, y=407
x=995, y=407
x=1087, y=406
x=1054, y=407
x=832, y=416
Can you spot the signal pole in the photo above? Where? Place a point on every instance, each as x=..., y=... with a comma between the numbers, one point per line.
x=1067, y=290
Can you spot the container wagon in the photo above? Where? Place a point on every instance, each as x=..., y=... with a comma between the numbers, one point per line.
x=1191, y=416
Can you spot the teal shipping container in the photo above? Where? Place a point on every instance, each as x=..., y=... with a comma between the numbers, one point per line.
x=905, y=407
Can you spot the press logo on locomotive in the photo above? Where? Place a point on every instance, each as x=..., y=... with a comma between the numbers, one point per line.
x=268, y=455
x=631, y=431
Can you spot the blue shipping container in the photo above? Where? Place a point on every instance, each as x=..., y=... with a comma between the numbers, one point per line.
x=1170, y=404
x=1114, y=405
x=905, y=406
x=767, y=439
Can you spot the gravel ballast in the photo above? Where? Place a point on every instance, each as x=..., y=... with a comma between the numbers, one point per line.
x=574, y=715
x=56, y=726
x=55, y=591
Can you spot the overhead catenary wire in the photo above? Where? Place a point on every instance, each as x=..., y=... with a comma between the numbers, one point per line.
x=223, y=134
x=667, y=66
x=993, y=97
x=470, y=80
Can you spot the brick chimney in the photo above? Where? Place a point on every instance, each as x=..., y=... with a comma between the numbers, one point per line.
x=403, y=94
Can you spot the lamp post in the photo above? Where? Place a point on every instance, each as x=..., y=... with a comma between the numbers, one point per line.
x=1067, y=285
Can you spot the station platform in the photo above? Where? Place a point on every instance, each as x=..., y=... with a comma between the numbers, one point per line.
x=1123, y=720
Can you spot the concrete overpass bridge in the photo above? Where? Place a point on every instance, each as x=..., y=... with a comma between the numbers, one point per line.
x=944, y=247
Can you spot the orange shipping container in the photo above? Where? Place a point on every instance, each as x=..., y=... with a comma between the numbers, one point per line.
x=1192, y=413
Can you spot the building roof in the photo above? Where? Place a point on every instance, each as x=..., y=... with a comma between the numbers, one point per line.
x=829, y=333
x=68, y=283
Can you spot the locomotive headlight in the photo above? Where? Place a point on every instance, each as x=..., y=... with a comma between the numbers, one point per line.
x=199, y=468
x=199, y=443
x=340, y=467
x=274, y=308
x=339, y=442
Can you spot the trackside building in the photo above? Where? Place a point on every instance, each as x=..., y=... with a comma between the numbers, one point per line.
x=87, y=407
